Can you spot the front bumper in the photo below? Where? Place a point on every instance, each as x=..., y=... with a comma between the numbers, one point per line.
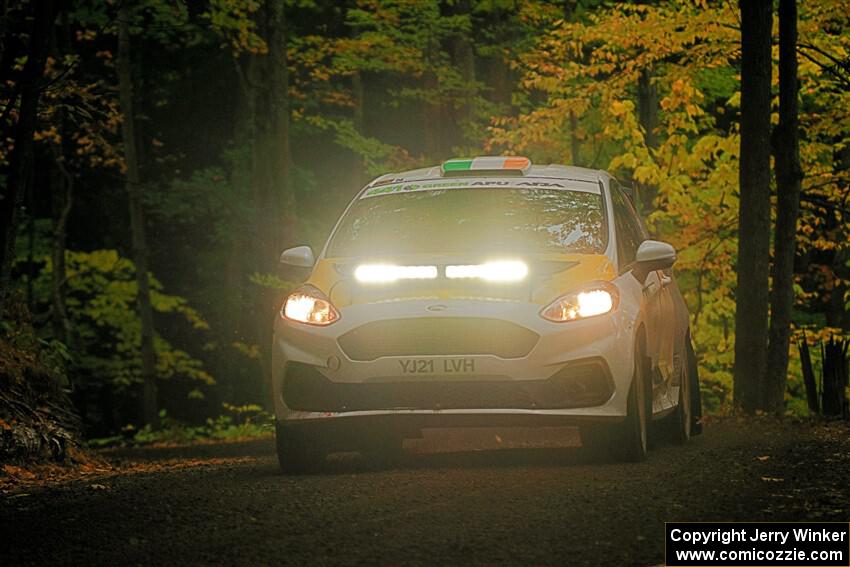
x=492, y=362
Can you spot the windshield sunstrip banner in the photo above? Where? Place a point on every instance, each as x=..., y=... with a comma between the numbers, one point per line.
x=390, y=188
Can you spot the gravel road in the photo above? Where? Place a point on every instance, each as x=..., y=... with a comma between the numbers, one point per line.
x=483, y=497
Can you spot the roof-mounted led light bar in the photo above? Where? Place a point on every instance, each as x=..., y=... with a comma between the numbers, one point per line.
x=486, y=165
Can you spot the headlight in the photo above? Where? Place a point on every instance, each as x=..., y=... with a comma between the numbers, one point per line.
x=388, y=273
x=597, y=299
x=309, y=305
x=500, y=271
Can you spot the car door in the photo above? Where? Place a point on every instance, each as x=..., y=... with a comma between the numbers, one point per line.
x=657, y=302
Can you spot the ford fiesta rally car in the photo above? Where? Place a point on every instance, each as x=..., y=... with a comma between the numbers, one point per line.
x=485, y=291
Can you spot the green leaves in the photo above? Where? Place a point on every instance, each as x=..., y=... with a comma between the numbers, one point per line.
x=101, y=302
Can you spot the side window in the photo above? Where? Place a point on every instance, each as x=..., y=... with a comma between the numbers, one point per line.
x=627, y=226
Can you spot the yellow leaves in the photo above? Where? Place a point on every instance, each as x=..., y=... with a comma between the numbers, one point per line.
x=683, y=105
x=100, y=260
x=51, y=135
x=101, y=299
x=693, y=164
x=251, y=351
x=678, y=87
x=647, y=174
x=627, y=160
x=620, y=107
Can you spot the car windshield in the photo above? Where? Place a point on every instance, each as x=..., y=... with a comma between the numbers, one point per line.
x=479, y=220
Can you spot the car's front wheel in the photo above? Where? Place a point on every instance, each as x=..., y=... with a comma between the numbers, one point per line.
x=680, y=422
x=626, y=441
x=297, y=450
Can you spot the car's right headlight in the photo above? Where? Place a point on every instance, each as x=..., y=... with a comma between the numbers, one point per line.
x=595, y=299
x=309, y=305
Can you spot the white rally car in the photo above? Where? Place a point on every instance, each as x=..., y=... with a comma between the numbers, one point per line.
x=485, y=291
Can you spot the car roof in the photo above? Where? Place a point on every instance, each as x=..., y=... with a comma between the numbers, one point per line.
x=551, y=171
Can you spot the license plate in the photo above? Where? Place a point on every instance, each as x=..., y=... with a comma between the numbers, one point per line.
x=437, y=365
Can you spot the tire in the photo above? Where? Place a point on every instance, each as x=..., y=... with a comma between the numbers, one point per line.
x=631, y=438
x=679, y=424
x=298, y=451
x=694, y=389
x=684, y=423
x=627, y=441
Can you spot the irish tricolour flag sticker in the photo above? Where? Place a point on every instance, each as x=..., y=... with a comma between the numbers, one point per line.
x=487, y=163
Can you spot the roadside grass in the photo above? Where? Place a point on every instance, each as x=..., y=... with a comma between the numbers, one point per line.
x=237, y=423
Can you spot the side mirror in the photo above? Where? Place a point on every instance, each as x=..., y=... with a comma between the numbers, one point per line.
x=300, y=256
x=653, y=255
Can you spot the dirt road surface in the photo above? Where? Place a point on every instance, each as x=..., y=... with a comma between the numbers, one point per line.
x=480, y=498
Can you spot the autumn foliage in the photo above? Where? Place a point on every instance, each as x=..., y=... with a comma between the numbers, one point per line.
x=256, y=121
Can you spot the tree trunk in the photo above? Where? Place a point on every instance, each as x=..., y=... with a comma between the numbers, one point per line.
x=648, y=107
x=464, y=61
x=237, y=322
x=20, y=160
x=496, y=64
x=789, y=177
x=432, y=110
x=575, y=144
x=751, y=299
x=137, y=217
x=357, y=95
x=32, y=271
x=274, y=200
x=431, y=117
x=62, y=191
x=61, y=200
x=648, y=116
x=272, y=160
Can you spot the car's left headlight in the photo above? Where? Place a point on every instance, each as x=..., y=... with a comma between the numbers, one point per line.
x=309, y=305
x=596, y=299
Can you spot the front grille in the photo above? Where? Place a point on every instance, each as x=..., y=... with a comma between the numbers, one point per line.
x=583, y=384
x=427, y=336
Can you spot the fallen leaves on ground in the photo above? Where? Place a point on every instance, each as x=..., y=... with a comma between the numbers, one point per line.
x=15, y=479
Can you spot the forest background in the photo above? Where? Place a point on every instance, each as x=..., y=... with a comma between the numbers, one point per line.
x=200, y=139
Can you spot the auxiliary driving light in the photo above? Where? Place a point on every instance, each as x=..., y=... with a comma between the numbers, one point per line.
x=500, y=271
x=387, y=273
